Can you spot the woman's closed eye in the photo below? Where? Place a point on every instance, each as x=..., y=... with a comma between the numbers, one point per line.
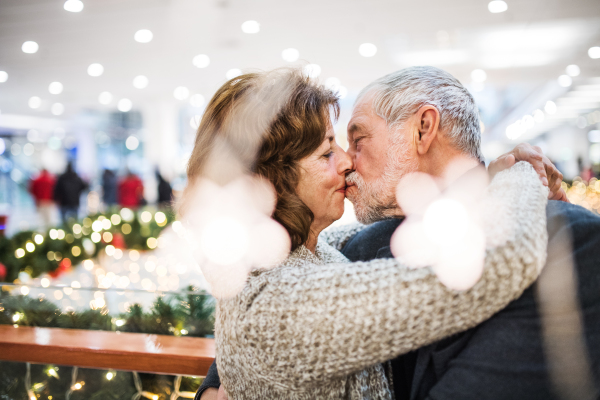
x=328, y=154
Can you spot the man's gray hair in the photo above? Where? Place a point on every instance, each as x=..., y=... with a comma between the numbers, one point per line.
x=397, y=96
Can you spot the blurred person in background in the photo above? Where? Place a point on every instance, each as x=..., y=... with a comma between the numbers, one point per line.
x=109, y=187
x=42, y=190
x=131, y=191
x=67, y=193
x=165, y=192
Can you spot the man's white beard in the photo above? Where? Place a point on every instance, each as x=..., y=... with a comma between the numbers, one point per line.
x=377, y=200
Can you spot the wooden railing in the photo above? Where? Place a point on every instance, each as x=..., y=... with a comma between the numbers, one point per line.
x=159, y=354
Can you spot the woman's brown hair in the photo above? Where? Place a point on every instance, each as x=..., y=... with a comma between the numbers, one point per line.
x=267, y=122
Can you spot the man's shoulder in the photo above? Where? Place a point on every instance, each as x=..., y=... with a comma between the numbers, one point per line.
x=365, y=245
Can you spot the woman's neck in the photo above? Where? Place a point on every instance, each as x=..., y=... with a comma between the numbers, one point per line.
x=313, y=239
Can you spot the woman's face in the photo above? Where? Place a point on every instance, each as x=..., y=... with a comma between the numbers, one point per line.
x=322, y=185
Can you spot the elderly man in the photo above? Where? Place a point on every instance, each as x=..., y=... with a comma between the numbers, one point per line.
x=420, y=119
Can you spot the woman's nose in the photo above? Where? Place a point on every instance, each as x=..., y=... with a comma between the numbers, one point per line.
x=345, y=164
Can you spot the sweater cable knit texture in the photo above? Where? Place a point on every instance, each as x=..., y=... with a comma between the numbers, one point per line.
x=319, y=327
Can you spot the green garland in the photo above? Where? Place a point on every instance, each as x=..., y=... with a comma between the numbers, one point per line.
x=49, y=252
x=191, y=312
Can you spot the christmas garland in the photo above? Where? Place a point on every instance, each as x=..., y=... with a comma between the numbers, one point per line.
x=189, y=314
x=55, y=251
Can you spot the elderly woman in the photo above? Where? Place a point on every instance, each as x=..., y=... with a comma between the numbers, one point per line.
x=317, y=326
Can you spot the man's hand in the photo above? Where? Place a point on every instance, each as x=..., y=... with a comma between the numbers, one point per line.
x=548, y=173
x=214, y=394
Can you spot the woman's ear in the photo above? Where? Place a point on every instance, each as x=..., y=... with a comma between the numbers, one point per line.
x=428, y=118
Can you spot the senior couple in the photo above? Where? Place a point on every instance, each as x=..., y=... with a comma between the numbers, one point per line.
x=341, y=318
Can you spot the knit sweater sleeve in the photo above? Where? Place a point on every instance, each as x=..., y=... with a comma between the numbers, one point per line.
x=308, y=325
x=338, y=236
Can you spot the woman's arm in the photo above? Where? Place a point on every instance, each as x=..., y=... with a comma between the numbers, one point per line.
x=312, y=324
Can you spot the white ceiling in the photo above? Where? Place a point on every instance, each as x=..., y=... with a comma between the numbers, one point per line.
x=531, y=43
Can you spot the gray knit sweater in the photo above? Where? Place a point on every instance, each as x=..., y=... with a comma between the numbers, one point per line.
x=319, y=327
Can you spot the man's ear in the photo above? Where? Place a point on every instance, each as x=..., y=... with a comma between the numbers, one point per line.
x=428, y=120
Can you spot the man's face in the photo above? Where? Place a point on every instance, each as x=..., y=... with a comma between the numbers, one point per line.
x=381, y=157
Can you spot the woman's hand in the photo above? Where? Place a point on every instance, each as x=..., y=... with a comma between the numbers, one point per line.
x=548, y=173
x=214, y=394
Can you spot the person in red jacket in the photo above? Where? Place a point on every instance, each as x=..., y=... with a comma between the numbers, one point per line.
x=42, y=190
x=131, y=191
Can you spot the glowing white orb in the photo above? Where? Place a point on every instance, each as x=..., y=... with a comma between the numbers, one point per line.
x=34, y=102
x=224, y=241
x=446, y=221
x=497, y=6
x=143, y=36
x=132, y=143
x=74, y=6
x=594, y=52
x=201, y=61
x=550, y=107
x=565, y=80
x=197, y=100
x=55, y=88
x=140, y=82
x=367, y=49
x=30, y=47
x=250, y=27
x=573, y=70
x=124, y=105
x=95, y=69
x=3, y=76
x=290, y=55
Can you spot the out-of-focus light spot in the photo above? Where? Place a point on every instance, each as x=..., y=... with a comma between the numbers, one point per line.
x=538, y=116
x=201, y=61
x=181, y=93
x=75, y=285
x=497, y=6
x=594, y=52
x=45, y=282
x=367, y=49
x=573, y=70
x=333, y=83
x=444, y=221
x=107, y=237
x=96, y=237
x=15, y=149
x=105, y=98
x=160, y=217
x=197, y=100
x=55, y=88
x=565, y=80
x=478, y=75
x=250, y=27
x=53, y=234
x=132, y=143
x=39, y=239
x=54, y=143
x=550, y=107
x=30, y=47
x=95, y=69
x=89, y=264
x=219, y=250
x=143, y=36
x=152, y=243
x=140, y=82
x=61, y=234
x=57, y=109
x=115, y=219
x=19, y=253
x=126, y=214
x=58, y=294
x=312, y=70
x=342, y=92
x=528, y=121
x=119, y=322
x=134, y=255
x=30, y=247
x=124, y=105
x=76, y=251
x=28, y=149
x=594, y=136
x=97, y=226
x=233, y=73
x=3, y=76
x=34, y=102
x=290, y=55
x=146, y=216
x=74, y=6
x=106, y=224
x=24, y=290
